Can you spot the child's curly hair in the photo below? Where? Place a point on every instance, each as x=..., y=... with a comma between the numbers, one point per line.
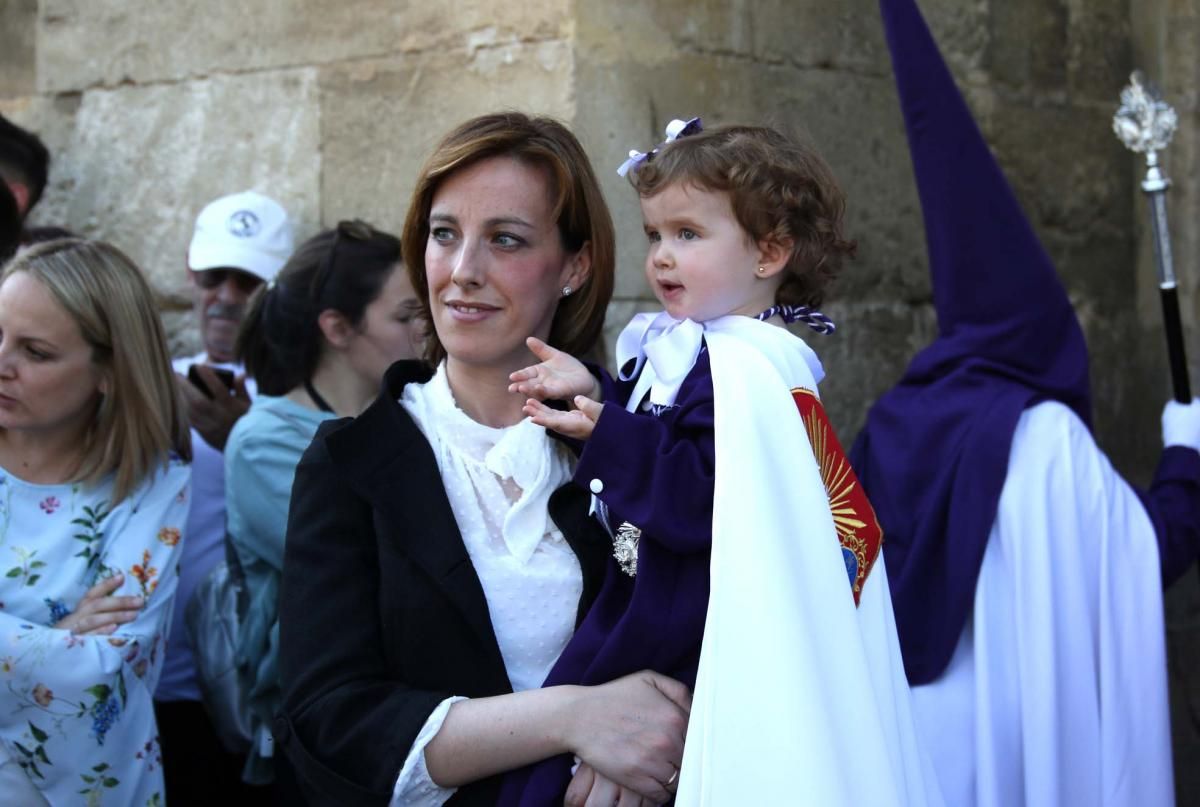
x=779, y=189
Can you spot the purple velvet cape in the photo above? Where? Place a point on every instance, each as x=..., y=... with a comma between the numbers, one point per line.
x=657, y=473
x=933, y=455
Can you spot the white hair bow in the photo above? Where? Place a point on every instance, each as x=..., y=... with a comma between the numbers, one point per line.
x=675, y=129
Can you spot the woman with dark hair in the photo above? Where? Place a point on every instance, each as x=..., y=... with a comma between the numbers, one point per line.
x=317, y=341
x=438, y=555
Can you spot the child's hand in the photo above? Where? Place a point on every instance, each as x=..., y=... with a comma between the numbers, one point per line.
x=577, y=423
x=559, y=377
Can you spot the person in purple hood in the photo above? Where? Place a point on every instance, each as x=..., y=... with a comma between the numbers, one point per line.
x=1027, y=575
x=736, y=518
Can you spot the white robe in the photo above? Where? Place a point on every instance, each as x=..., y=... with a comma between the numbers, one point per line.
x=800, y=697
x=1057, y=694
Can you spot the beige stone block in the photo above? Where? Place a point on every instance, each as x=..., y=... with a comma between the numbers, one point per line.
x=963, y=32
x=379, y=121
x=86, y=43
x=1073, y=178
x=1130, y=385
x=827, y=36
x=1177, y=52
x=141, y=162
x=802, y=33
x=1028, y=45
x=18, y=40
x=865, y=357
x=1099, y=49
x=1182, y=162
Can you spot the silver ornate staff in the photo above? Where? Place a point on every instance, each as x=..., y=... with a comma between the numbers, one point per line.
x=1145, y=124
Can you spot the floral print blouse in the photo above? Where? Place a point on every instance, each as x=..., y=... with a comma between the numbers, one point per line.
x=76, y=711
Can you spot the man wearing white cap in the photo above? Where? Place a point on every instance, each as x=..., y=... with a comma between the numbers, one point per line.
x=239, y=243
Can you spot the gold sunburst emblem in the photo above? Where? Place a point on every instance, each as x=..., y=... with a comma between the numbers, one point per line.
x=854, y=519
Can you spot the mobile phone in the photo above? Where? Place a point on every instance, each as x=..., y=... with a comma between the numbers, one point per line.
x=226, y=377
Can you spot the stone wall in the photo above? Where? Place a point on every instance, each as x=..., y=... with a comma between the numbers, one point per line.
x=153, y=107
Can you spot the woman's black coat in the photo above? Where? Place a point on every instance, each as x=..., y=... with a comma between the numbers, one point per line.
x=381, y=613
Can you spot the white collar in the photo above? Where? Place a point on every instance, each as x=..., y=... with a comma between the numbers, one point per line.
x=664, y=350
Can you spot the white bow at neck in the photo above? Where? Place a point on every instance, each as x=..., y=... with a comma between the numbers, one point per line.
x=664, y=350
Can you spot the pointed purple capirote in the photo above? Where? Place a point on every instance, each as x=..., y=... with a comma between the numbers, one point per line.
x=933, y=454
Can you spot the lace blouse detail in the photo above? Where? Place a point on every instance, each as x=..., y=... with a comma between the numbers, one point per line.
x=498, y=482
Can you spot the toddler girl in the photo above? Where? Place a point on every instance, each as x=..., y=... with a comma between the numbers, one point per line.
x=736, y=518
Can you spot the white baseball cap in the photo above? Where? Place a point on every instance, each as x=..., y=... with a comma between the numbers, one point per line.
x=246, y=231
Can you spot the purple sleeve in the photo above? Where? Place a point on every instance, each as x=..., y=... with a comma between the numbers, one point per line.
x=657, y=472
x=1173, y=504
x=611, y=389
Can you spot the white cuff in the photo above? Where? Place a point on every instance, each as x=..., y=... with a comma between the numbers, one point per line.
x=414, y=786
x=1181, y=424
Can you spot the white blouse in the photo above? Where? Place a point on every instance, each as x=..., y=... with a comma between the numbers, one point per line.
x=499, y=483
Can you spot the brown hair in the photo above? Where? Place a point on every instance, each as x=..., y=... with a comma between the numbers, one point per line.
x=343, y=269
x=579, y=209
x=779, y=189
x=141, y=420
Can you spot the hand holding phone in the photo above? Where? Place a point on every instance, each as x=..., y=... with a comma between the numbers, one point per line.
x=213, y=416
x=226, y=377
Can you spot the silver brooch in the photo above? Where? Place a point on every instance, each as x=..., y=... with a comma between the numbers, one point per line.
x=625, y=547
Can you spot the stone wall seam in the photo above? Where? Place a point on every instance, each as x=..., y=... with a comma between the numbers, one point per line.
x=817, y=66
x=470, y=51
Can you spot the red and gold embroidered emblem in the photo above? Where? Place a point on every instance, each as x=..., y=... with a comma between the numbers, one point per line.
x=854, y=518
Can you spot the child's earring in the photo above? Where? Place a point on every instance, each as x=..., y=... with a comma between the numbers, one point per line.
x=567, y=291
x=762, y=269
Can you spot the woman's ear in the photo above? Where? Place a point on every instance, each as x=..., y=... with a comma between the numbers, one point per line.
x=773, y=256
x=335, y=328
x=578, y=268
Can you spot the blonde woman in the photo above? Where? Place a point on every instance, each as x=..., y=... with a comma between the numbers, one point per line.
x=93, y=496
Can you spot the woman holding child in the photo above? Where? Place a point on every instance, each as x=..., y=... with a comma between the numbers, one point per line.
x=710, y=459
x=438, y=557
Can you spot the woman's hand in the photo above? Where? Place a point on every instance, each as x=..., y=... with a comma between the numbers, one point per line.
x=577, y=423
x=631, y=732
x=98, y=613
x=559, y=377
x=590, y=789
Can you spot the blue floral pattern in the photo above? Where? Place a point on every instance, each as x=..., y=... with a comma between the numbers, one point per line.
x=59, y=610
x=76, y=711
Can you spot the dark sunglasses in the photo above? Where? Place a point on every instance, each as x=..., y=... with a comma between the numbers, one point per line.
x=212, y=278
x=355, y=230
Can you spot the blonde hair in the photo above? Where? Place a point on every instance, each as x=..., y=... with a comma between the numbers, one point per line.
x=140, y=421
x=579, y=210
